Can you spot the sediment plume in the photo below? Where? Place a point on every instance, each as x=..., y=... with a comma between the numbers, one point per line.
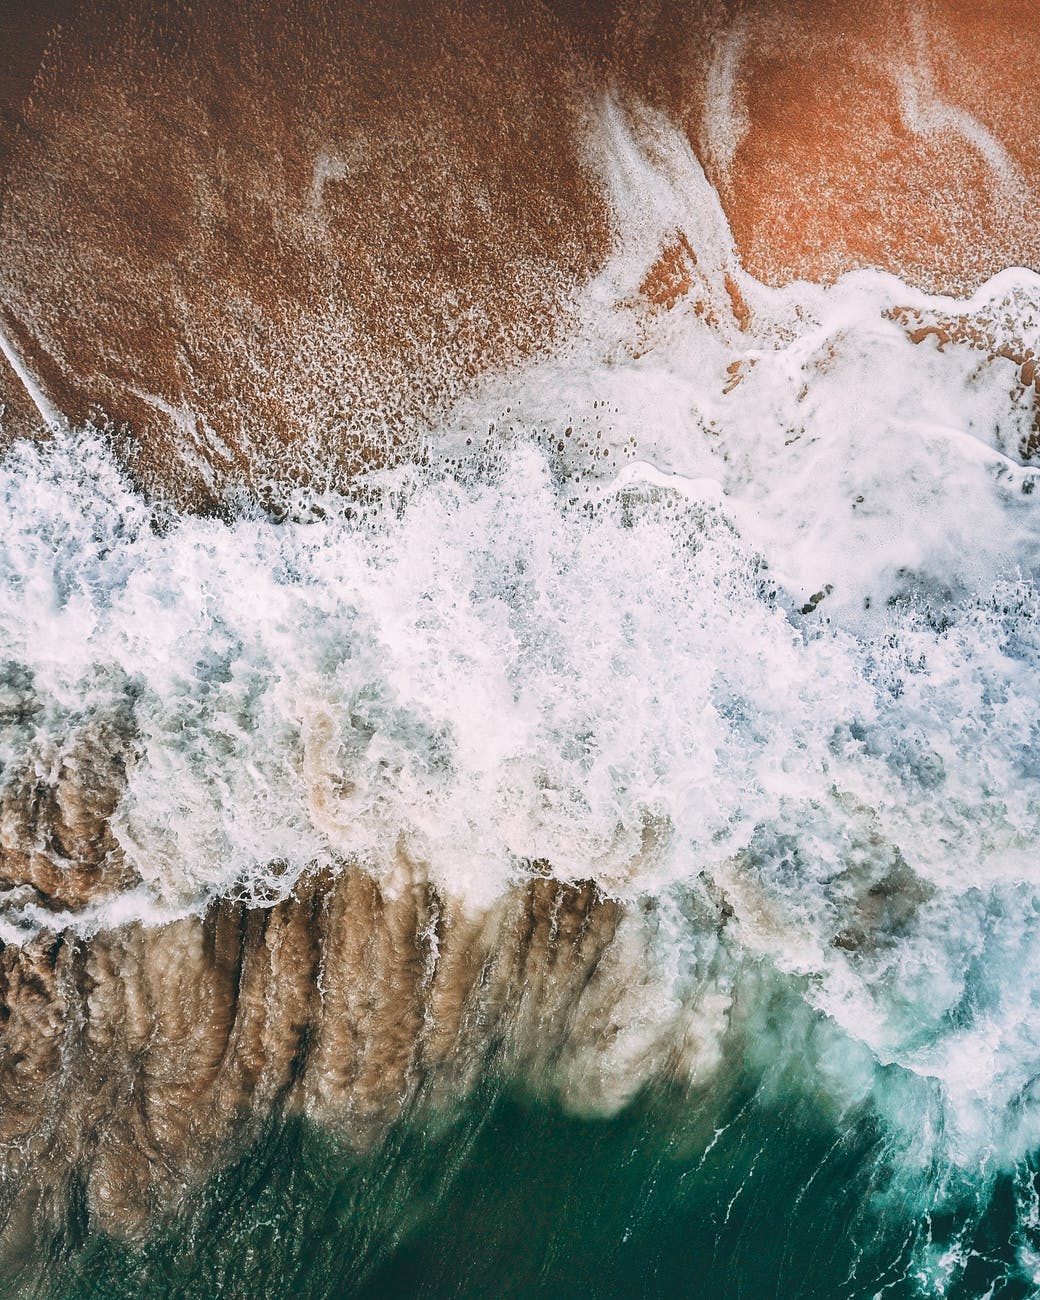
x=136, y=1062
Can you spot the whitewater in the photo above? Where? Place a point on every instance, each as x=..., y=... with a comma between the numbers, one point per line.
x=729, y=607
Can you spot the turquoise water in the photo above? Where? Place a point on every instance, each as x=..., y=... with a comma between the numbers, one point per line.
x=751, y=1189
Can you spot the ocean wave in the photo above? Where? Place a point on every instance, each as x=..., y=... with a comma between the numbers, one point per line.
x=725, y=612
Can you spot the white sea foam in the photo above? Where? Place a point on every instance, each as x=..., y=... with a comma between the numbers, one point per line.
x=925, y=113
x=726, y=120
x=692, y=610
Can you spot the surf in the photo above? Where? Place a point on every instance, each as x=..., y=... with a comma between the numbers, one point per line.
x=714, y=620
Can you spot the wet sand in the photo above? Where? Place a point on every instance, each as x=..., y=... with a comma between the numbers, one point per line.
x=268, y=248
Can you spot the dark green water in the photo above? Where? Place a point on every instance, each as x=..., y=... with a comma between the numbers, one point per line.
x=724, y=1193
